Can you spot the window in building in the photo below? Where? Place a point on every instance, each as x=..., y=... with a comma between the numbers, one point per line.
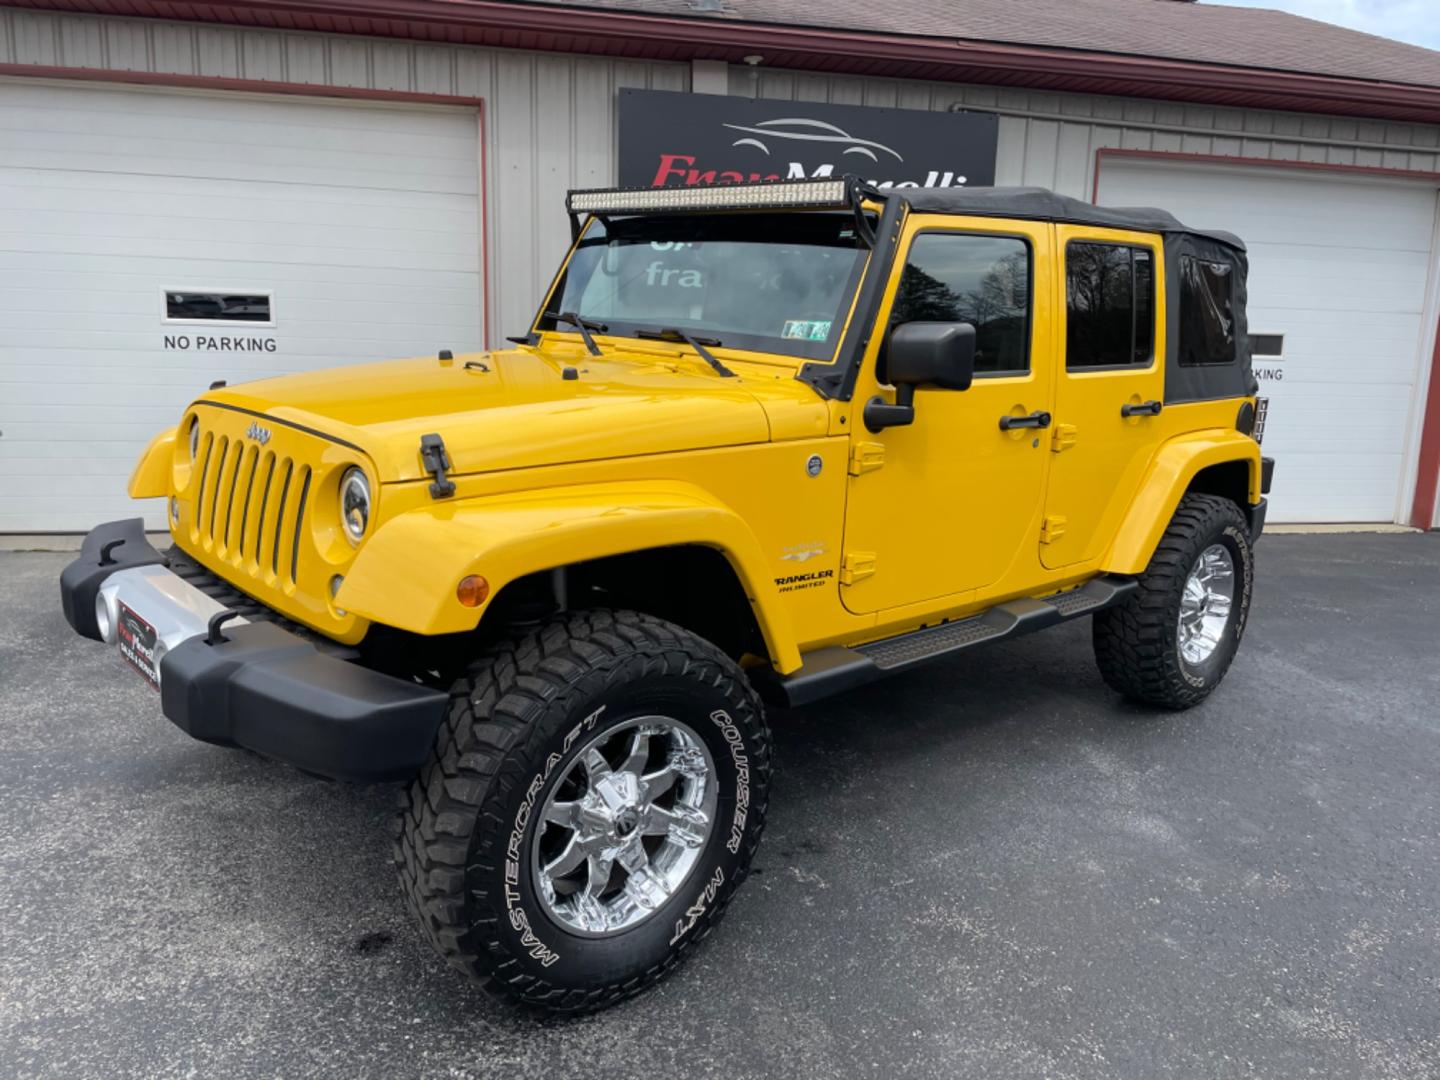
x=186, y=305
x=1111, y=306
x=1207, y=312
x=981, y=280
x=1267, y=344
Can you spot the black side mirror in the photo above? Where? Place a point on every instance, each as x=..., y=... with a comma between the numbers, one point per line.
x=922, y=354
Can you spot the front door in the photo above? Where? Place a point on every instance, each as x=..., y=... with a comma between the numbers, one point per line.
x=951, y=503
x=1109, y=389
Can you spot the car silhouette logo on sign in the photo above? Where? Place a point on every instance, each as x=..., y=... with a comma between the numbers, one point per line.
x=803, y=130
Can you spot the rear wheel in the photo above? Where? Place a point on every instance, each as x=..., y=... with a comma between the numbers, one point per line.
x=595, y=797
x=1172, y=640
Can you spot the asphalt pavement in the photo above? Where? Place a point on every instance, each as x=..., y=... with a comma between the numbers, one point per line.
x=993, y=868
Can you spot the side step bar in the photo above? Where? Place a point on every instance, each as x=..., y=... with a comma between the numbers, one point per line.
x=837, y=668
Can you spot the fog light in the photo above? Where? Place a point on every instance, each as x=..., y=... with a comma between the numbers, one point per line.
x=472, y=590
x=175, y=509
x=335, y=583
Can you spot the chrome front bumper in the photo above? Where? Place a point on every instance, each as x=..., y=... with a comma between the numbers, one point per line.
x=176, y=609
x=251, y=683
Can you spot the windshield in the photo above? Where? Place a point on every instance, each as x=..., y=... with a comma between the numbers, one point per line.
x=777, y=283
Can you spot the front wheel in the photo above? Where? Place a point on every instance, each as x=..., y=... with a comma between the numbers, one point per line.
x=1172, y=640
x=595, y=797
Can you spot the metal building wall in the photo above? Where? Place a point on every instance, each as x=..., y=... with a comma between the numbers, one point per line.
x=550, y=119
x=1050, y=139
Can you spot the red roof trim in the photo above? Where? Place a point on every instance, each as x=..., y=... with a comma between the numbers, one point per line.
x=628, y=34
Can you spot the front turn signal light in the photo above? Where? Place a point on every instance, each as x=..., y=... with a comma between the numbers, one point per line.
x=472, y=590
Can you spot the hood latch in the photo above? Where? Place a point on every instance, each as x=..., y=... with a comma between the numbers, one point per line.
x=436, y=461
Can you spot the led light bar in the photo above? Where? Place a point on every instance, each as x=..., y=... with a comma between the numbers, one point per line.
x=806, y=194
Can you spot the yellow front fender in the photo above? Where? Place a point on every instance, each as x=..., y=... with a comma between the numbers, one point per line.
x=151, y=478
x=1170, y=474
x=405, y=575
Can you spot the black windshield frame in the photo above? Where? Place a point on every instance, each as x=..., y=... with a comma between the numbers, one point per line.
x=820, y=228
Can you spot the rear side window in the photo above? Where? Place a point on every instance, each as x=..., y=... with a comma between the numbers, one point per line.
x=1207, y=312
x=981, y=280
x=1110, y=311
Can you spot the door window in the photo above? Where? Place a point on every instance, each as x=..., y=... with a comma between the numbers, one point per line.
x=981, y=280
x=1110, y=309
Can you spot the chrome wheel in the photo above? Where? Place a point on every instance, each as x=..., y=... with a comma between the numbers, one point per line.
x=624, y=826
x=1205, y=604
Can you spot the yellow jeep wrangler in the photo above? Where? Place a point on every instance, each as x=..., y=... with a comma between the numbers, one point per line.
x=761, y=443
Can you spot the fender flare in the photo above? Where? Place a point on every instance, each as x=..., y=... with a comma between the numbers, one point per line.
x=150, y=478
x=1171, y=472
x=405, y=574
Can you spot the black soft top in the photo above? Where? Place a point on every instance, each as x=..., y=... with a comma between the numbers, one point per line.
x=1216, y=314
x=1040, y=204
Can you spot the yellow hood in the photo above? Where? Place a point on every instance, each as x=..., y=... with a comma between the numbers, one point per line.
x=516, y=409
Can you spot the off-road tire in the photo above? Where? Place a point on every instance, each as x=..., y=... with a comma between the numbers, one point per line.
x=1137, y=642
x=503, y=739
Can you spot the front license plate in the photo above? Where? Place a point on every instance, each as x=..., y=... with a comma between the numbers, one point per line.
x=137, y=644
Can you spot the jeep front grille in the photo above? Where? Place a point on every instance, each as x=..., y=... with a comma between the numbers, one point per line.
x=248, y=509
x=250, y=505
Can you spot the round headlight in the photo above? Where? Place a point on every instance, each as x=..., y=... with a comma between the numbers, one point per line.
x=194, y=438
x=355, y=504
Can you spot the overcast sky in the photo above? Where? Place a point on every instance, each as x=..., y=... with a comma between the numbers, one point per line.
x=1415, y=21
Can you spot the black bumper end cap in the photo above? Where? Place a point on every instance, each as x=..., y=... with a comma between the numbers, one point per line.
x=1256, y=515
x=116, y=545
x=267, y=690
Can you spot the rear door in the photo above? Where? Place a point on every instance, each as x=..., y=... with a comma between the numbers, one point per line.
x=1109, y=387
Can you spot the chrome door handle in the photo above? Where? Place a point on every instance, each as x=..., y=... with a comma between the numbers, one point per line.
x=1034, y=420
x=1145, y=408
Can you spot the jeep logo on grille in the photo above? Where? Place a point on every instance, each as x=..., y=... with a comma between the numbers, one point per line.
x=258, y=433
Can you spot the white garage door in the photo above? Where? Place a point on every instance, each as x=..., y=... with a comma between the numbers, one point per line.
x=289, y=233
x=1339, y=266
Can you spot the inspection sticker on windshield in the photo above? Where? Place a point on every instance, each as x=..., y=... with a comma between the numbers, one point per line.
x=815, y=330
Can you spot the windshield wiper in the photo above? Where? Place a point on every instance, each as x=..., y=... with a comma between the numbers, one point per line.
x=569, y=318
x=670, y=333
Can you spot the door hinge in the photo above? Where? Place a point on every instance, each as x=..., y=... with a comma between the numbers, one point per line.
x=856, y=566
x=1062, y=437
x=1052, y=528
x=866, y=457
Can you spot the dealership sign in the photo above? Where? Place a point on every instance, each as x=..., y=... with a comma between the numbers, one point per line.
x=684, y=140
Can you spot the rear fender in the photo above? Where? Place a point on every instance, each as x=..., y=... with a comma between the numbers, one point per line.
x=1169, y=477
x=405, y=575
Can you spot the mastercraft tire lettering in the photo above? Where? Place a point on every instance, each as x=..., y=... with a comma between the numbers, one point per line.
x=596, y=795
x=519, y=921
